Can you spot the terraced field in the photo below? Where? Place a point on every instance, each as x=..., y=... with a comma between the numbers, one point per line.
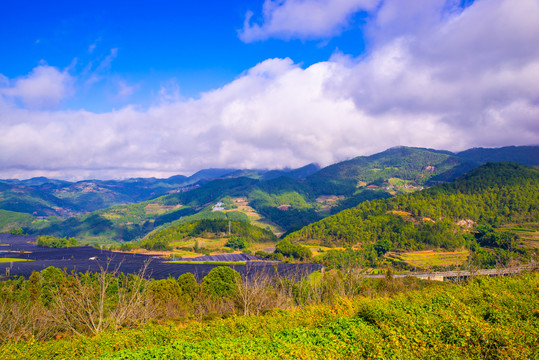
x=528, y=233
x=429, y=258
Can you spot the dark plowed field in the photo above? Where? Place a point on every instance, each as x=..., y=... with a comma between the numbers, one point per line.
x=225, y=257
x=81, y=259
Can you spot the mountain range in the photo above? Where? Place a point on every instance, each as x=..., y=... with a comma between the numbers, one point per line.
x=279, y=200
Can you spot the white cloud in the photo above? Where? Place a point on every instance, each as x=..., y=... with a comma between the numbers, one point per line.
x=473, y=63
x=287, y=19
x=169, y=92
x=124, y=90
x=397, y=18
x=45, y=86
x=102, y=67
x=467, y=78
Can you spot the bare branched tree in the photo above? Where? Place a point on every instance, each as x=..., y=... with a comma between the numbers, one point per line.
x=85, y=304
x=255, y=292
x=132, y=305
x=23, y=319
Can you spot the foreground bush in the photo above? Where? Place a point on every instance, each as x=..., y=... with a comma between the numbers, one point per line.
x=489, y=318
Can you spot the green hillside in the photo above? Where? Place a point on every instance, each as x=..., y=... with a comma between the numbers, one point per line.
x=241, y=236
x=30, y=200
x=491, y=196
x=117, y=223
x=412, y=164
x=11, y=220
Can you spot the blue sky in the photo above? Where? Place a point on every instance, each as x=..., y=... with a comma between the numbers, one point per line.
x=137, y=88
x=191, y=45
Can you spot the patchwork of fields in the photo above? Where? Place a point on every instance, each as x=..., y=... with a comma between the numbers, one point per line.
x=86, y=258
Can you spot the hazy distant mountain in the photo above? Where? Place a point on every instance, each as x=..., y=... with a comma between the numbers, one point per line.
x=210, y=174
x=263, y=174
x=297, y=174
x=36, y=181
x=525, y=155
x=47, y=197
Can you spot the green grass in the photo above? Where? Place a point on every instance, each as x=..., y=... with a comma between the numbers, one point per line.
x=520, y=229
x=208, y=262
x=6, y=260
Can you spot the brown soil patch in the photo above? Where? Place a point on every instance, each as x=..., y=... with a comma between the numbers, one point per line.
x=398, y=212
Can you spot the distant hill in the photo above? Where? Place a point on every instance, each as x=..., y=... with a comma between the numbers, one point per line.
x=296, y=174
x=210, y=174
x=36, y=181
x=412, y=164
x=49, y=197
x=525, y=155
x=10, y=220
x=32, y=200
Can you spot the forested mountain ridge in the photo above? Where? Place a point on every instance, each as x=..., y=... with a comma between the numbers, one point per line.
x=49, y=197
x=493, y=194
x=414, y=164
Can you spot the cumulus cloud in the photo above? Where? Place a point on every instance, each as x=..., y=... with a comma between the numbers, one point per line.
x=468, y=71
x=287, y=19
x=466, y=78
x=45, y=86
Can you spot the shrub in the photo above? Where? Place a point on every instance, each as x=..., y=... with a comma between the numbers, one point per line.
x=189, y=285
x=164, y=290
x=166, y=297
x=286, y=248
x=221, y=282
x=56, y=242
x=16, y=231
x=382, y=246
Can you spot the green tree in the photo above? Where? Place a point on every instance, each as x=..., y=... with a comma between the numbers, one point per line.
x=382, y=246
x=16, y=231
x=236, y=242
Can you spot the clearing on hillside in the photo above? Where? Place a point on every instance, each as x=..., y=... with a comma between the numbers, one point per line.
x=254, y=216
x=430, y=258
